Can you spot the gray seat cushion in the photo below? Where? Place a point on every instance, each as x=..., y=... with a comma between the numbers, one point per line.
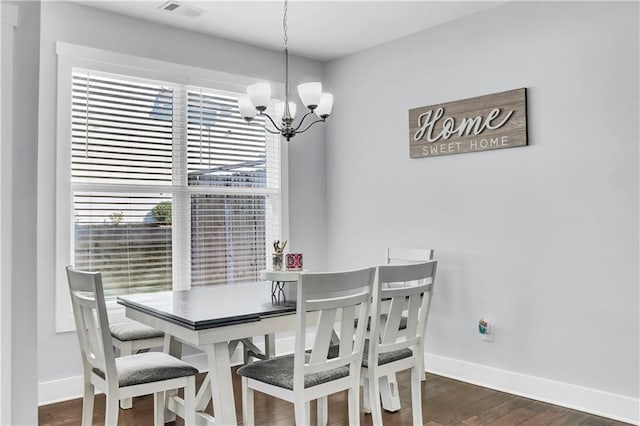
x=149, y=367
x=384, y=358
x=279, y=372
x=128, y=331
x=387, y=357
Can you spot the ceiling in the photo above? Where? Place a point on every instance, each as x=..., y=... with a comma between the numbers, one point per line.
x=320, y=29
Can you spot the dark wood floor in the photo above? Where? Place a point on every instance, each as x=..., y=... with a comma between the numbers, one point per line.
x=444, y=402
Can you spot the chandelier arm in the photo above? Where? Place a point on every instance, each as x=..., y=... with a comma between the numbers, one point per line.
x=302, y=120
x=271, y=131
x=271, y=120
x=307, y=128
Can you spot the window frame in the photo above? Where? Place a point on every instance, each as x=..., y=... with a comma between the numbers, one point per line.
x=71, y=56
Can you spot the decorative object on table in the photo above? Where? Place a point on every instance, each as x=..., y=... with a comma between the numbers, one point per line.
x=294, y=262
x=482, y=123
x=259, y=96
x=278, y=254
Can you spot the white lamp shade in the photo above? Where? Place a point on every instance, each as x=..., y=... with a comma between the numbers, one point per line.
x=310, y=94
x=247, y=110
x=280, y=111
x=325, y=105
x=259, y=94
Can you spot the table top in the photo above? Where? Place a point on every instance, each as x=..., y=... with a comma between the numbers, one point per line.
x=208, y=307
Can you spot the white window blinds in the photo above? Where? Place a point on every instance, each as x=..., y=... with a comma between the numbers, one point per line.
x=148, y=157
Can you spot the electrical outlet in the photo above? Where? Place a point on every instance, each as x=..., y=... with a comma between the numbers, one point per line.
x=485, y=329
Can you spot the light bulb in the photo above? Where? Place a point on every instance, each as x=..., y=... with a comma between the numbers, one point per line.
x=259, y=94
x=325, y=105
x=247, y=110
x=310, y=94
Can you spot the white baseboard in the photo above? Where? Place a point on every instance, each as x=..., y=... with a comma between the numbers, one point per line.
x=613, y=406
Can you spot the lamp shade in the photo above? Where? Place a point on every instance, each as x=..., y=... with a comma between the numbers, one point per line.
x=247, y=110
x=259, y=94
x=325, y=105
x=280, y=111
x=310, y=94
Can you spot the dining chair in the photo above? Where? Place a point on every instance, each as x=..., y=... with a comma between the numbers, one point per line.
x=132, y=337
x=127, y=376
x=337, y=299
x=401, y=256
x=388, y=349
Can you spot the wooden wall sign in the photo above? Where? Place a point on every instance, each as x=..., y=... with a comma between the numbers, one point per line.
x=477, y=124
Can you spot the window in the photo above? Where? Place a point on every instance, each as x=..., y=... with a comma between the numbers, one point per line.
x=168, y=187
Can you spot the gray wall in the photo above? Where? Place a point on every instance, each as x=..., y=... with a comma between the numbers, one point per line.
x=86, y=26
x=25, y=147
x=541, y=240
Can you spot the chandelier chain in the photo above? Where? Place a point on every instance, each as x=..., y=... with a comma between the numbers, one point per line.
x=284, y=25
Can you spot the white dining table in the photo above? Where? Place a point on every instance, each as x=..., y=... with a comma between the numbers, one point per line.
x=215, y=319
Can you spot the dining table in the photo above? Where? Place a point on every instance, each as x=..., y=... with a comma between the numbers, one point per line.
x=215, y=319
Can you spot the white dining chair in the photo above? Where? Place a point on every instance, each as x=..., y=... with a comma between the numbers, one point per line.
x=389, y=349
x=132, y=337
x=402, y=256
x=127, y=376
x=338, y=299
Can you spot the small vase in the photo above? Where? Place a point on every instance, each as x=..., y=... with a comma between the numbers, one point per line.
x=277, y=262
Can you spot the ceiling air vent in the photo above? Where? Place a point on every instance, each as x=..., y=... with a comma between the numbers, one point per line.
x=170, y=6
x=182, y=9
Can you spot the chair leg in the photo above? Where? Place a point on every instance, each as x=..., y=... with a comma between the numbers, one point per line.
x=158, y=408
x=126, y=348
x=302, y=412
x=416, y=396
x=190, y=402
x=354, y=405
x=423, y=374
x=87, y=404
x=111, y=411
x=366, y=399
x=247, y=403
x=323, y=411
x=374, y=400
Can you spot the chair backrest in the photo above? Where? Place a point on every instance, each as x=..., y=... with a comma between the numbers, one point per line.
x=337, y=297
x=397, y=255
x=92, y=323
x=412, y=300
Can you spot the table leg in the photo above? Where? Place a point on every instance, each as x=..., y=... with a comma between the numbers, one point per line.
x=269, y=345
x=224, y=407
x=389, y=393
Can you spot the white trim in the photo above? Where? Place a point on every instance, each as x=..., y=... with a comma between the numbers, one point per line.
x=9, y=21
x=593, y=401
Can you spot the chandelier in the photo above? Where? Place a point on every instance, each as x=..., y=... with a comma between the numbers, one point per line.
x=258, y=96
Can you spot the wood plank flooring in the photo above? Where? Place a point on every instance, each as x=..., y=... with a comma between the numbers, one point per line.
x=444, y=402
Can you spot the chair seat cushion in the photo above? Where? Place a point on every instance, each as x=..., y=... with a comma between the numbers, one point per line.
x=386, y=357
x=149, y=367
x=383, y=358
x=279, y=372
x=128, y=331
